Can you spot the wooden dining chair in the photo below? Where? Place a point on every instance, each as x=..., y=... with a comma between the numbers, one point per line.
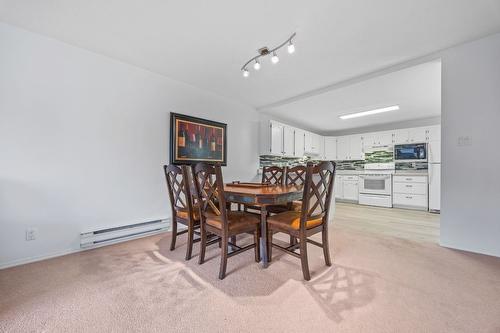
x=217, y=218
x=313, y=217
x=181, y=201
x=272, y=175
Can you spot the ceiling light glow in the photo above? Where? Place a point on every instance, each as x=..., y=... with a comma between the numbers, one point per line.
x=256, y=66
x=246, y=73
x=274, y=58
x=370, y=112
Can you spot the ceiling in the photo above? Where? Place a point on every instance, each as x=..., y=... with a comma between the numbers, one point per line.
x=417, y=91
x=204, y=43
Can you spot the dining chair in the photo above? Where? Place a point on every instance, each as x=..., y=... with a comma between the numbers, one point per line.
x=217, y=218
x=183, y=208
x=313, y=217
x=272, y=175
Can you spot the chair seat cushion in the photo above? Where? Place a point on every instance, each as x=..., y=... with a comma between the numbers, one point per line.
x=236, y=220
x=183, y=213
x=291, y=221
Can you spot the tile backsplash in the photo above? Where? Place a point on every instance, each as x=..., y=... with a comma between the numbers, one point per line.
x=269, y=160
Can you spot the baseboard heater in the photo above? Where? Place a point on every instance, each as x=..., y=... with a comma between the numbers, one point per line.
x=108, y=236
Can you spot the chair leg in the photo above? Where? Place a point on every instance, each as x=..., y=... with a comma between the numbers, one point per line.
x=293, y=240
x=256, y=237
x=269, y=245
x=203, y=243
x=326, y=246
x=303, y=259
x=223, y=258
x=189, y=249
x=174, y=234
x=233, y=240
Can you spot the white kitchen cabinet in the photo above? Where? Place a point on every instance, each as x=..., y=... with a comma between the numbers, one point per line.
x=400, y=136
x=385, y=138
x=276, y=144
x=350, y=188
x=330, y=148
x=288, y=140
x=410, y=192
x=299, y=143
x=417, y=135
x=338, y=187
x=434, y=133
x=434, y=187
x=311, y=143
x=434, y=151
x=343, y=148
x=356, y=147
x=321, y=147
x=377, y=139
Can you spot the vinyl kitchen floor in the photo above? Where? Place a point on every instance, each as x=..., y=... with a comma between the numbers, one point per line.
x=402, y=223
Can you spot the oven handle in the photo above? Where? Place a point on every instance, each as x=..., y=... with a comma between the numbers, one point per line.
x=376, y=177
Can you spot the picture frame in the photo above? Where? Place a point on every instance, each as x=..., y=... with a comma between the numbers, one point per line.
x=194, y=140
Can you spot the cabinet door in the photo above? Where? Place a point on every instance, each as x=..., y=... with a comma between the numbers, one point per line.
x=330, y=148
x=417, y=135
x=434, y=133
x=369, y=140
x=434, y=151
x=288, y=141
x=343, y=148
x=299, y=143
x=400, y=136
x=276, y=138
x=384, y=138
x=355, y=147
x=338, y=187
x=351, y=190
x=315, y=143
x=307, y=141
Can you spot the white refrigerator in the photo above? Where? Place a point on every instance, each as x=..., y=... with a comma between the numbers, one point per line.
x=434, y=176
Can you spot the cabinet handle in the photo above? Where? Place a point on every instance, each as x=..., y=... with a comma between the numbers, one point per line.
x=409, y=178
x=409, y=186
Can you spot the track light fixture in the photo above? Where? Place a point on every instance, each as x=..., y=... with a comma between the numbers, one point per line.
x=264, y=51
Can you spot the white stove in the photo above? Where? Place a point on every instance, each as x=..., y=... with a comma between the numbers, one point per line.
x=375, y=185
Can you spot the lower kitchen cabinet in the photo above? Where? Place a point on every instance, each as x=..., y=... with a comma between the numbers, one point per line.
x=410, y=192
x=346, y=188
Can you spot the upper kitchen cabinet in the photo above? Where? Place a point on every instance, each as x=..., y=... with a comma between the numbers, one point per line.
x=356, y=147
x=434, y=133
x=377, y=139
x=276, y=138
x=330, y=148
x=410, y=135
x=312, y=143
x=299, y=143
x=350, y=147
x=288, y=141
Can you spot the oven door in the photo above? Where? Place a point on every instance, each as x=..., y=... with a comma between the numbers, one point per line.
x=375, y=184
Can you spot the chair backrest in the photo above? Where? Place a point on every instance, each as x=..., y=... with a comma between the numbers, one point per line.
x=179, y=189
x=317, y=192
x=296, y=175
x=210, y=190
x=273, y=175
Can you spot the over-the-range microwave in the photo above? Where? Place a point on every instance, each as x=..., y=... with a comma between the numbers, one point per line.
x=411, y=152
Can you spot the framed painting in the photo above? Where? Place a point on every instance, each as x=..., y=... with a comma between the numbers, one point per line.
x=194, y=140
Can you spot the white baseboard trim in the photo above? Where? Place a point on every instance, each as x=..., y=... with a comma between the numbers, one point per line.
x=56, y=254
x=460, y=248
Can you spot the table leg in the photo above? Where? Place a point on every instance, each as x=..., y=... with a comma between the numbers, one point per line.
x=263, y=236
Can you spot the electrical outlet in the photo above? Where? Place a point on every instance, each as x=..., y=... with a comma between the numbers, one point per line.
x=31, y=234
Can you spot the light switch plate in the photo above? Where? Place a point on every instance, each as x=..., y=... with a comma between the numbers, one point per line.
x=31, y=234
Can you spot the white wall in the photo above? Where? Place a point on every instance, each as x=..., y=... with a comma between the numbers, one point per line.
x=470, y=211
x=83, y=139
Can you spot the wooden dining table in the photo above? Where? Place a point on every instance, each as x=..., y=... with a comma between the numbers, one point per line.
x=262, y=196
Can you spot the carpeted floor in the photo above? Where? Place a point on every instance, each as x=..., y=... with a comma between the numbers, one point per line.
x=377, y=284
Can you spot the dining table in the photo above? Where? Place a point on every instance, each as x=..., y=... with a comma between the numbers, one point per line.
x=262, y=196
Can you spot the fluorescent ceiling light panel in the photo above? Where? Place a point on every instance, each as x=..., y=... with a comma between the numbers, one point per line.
x=370, y=112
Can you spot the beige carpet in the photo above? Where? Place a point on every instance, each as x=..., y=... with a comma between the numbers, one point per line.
x=377, y=284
